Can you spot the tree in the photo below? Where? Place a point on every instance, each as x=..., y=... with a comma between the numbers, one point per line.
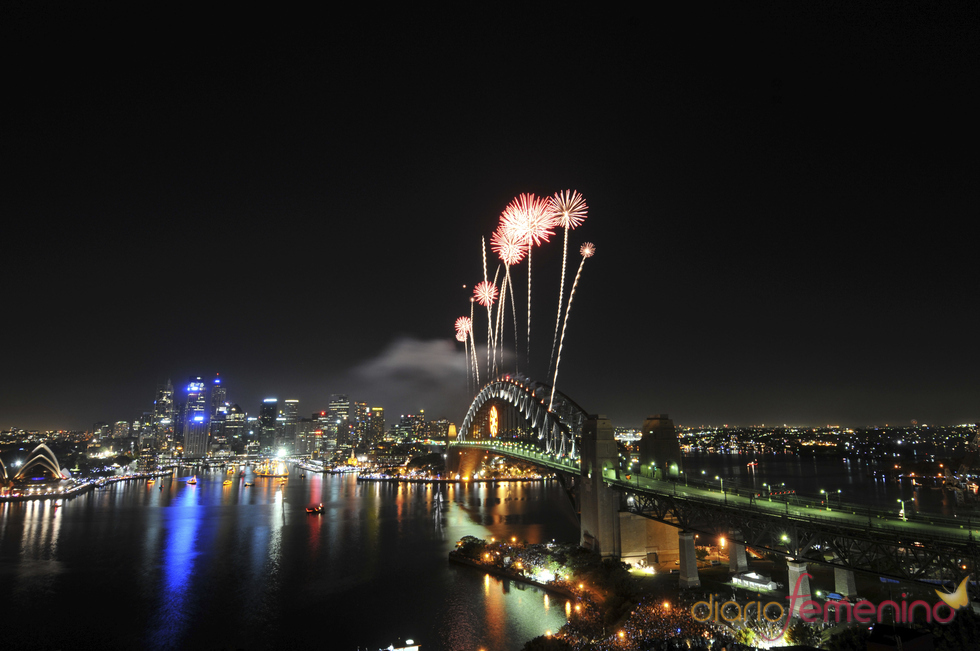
x=746, y=636
x=804, y=634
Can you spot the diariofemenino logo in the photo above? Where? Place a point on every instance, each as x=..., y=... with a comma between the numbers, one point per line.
x=811, y=612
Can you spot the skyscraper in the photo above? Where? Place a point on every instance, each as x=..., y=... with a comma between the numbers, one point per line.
x=218, y=397
x=163, y=416
x=290, y=418
x=267, y=424
x=340, y=419
x=196, y=420
x=376, y=431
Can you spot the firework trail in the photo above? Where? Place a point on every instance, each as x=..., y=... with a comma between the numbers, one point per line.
x=510, y=250
x=568, y=210
x=529, y=221
x=587, y=250
x=483, y=249
x=485, y=293
x=491, y=332
x=461, y=337
x=463, y=326
x=476, y=367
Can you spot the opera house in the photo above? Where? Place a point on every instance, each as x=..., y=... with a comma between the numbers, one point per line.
x=41, y=467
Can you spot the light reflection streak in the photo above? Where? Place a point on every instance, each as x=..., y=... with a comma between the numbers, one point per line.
x=181, y=523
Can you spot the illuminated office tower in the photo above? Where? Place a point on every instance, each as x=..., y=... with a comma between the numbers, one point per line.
x=290, y=418
x=359, y=422
x=326, y=434
x=236, y=428
x=376, y=430
x=218, y=397
x=306, y=438
x=163, y=416
x=268, y=415
x=196, y=421
x=340, y=419
x=102, y=431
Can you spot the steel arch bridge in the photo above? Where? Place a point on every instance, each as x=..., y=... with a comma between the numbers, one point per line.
x=515, y=408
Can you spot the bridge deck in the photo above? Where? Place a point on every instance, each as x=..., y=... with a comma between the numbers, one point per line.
x=931, y=527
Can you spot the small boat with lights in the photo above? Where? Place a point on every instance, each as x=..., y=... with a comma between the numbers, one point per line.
x=315, y=510
x=192, y=480
x=226, y=482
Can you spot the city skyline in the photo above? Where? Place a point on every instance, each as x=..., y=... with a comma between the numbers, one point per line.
x=776, y=198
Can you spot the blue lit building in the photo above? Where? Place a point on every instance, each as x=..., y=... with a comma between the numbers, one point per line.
x=196, y=420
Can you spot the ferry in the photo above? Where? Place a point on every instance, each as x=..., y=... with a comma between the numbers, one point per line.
x=226, y=482
x=271, y=470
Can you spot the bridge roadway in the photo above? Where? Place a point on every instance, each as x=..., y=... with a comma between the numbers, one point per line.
x=851, y=536
x=801, y=508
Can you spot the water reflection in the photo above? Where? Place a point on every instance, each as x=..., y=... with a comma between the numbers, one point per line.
x=181, y=522
x=210, y=566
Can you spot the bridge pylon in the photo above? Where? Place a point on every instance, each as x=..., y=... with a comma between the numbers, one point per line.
x=599, y=502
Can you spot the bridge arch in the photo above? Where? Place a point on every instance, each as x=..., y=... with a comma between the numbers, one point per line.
x=524, y=403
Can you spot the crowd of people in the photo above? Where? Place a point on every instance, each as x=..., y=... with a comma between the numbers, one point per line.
x=651, y=624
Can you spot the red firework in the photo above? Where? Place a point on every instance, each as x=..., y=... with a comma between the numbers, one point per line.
x=506, y=245
x=485, y=293
x=461, y=336
x=587, y=250
x=527, y=219
x=567, y=209
x=463, y=326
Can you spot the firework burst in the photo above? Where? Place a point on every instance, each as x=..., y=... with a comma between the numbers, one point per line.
x=463, y=325
x=528, y=221
x=568, y=209
x=486, y=293
x=508, y=246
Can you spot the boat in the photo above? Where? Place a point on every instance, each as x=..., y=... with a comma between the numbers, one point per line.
x=150, y=482
x=192, y=480
x=247, y=484
x=226, y=482
x=315, y=510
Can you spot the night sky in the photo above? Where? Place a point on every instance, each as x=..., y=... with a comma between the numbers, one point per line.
x=782, y=204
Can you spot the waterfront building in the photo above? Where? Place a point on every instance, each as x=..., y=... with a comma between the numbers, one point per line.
x=235, y=428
